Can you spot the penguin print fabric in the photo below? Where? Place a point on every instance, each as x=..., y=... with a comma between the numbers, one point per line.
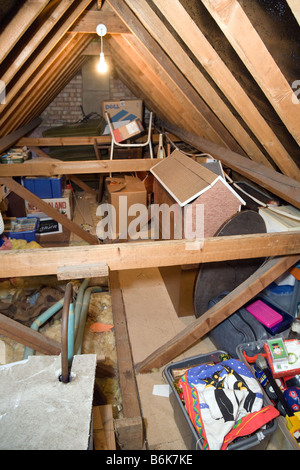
x=218, y=398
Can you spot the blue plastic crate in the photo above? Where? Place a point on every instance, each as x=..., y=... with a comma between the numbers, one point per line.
x=45, y=188
x=23, y=228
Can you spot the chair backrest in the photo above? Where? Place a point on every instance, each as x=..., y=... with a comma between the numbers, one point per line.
x=140, y=144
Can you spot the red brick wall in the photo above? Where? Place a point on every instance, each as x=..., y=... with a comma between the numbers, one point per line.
x=65, y=108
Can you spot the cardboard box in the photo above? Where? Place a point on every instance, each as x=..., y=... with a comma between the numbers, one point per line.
x=123, y=110
x=135, y=193
x=128, y=131
x=63, y=204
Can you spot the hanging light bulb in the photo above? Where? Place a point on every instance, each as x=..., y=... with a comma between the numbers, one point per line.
x=102, y=66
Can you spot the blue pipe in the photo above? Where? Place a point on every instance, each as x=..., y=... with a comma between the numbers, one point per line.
x=40, y=320
x=76, y=322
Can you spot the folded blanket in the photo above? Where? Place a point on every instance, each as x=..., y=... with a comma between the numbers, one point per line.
x=224, y=400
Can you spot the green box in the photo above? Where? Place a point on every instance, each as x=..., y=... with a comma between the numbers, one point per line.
x=277, y=350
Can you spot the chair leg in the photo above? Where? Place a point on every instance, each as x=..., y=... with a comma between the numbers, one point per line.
x=100, y=189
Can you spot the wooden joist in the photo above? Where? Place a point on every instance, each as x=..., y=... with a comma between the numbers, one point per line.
x=148, y=254
x=89, y=20
x=52, y=167
x=76, y=140
x=129, y=430
x=266, y=274
x=103, y=428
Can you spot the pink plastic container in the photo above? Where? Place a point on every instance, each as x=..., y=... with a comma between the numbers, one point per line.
x=264, y=314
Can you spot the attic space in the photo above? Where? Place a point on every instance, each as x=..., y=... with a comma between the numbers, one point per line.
x=149, y=226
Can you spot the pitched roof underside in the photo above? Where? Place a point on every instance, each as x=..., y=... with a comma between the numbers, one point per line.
x=225, y=71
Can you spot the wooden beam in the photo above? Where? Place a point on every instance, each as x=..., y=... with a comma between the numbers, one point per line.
x=39, y=57
x=148, y=254
x=89, y=21
x=161, y=45
x=164, y=92
x=27, y=336
x=183, y=23
x=76, y=140
x=47, y=20
x=58, y=67
x=50, y=211
x=82, y=185
x=243, y=37
x=127, y=381
x=22, y=20
x=266, y=274
x=11, y=139
x=160, y=33
x=80, y=272
x=283, y=186
x=295, y=7
x=53, y=167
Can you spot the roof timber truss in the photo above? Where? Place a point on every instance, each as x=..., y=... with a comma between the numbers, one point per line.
x=180, y=76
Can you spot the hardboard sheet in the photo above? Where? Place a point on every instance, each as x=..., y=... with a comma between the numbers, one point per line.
x=182, y=177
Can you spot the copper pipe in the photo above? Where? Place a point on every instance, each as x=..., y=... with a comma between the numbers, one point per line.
x=64, y=333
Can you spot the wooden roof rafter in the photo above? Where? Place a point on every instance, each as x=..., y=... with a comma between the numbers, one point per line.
x=48, y=18
x=59, y=68
x=182, y=22
x=295, y=7
x=19, y=24
x=243, y=37
x=34, y=60
x=159, y=32
x=164, y=91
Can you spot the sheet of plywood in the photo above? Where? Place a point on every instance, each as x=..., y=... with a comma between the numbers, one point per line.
x=151, y=317
x=151, y=320
x=182, y=177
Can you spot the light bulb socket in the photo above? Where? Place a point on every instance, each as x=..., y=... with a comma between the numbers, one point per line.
x=101, y=30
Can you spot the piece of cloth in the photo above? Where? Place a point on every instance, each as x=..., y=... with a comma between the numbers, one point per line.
x=218, y=397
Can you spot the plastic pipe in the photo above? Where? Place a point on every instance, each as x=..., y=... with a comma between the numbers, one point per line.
x=83, y=315
x=40, y=320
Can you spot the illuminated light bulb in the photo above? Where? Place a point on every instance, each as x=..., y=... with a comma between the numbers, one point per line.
x=102, y=65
